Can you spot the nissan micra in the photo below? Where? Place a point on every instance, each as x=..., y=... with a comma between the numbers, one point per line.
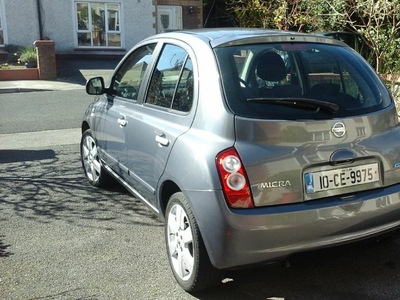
x=249, y=144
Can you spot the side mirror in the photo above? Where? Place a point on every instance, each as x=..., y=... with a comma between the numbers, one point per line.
x=95, y=86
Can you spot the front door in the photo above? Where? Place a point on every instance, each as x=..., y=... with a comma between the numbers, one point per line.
x=113, y=126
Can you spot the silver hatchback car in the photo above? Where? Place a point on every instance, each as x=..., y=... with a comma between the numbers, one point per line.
x=249, y=144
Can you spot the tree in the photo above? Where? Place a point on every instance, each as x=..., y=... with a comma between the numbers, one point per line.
x=308, y=15
x=253, y=13
x=297, y=15
x=378, y=21
x=216, y=14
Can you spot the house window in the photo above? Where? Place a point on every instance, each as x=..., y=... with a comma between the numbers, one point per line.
x=98, y=24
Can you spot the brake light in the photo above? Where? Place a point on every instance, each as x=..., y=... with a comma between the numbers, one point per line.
x=234, y=179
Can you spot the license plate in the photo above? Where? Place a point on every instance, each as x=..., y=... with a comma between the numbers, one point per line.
x=339, y=178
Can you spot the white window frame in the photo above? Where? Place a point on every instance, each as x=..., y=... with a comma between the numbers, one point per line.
x=3, y=23
x=107, y=31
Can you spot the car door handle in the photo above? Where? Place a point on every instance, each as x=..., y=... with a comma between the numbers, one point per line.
x=122, y=121
x=162, y=140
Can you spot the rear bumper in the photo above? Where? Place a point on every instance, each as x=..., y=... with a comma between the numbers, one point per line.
x=237, y=238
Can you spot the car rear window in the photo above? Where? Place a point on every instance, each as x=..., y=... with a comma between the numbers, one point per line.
x=299, y=81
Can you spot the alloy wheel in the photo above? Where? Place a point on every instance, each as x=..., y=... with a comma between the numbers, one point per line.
x=180, y=242
x=90, y=159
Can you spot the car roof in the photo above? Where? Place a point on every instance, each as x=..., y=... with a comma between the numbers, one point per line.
x=235, y=35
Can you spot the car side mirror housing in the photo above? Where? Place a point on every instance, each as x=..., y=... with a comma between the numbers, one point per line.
x=95, y=86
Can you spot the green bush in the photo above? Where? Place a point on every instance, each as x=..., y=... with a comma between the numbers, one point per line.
x=28, y=55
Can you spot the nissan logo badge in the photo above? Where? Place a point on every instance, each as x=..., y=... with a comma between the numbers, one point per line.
x=338, y=129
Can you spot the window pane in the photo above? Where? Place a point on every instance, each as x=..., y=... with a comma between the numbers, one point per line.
x=129, y=77
x=98, y=24
x=164, y=21
x=114, y=39
x=166, y=76
x=82, y=16
x=113, y=17
x=84, y=39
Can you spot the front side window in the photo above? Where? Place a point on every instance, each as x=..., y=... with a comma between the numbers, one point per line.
x=98, y=24
x=298, y=81
x=129, y=77
x=171, y=85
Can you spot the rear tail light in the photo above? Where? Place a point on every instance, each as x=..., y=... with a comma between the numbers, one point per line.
x=234, y=179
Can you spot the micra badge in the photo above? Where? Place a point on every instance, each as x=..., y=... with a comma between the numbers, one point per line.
x=274, y=184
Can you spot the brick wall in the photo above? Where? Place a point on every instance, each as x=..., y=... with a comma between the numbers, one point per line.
x=46, y=59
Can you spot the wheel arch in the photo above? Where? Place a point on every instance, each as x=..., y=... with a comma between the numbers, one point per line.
x=85, y=126
x=167, y=189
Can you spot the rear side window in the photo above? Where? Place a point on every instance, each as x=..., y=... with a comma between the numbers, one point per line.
x=171, y=84
x=292, y=81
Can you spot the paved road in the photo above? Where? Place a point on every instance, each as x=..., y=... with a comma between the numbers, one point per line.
x=39, y=111
x=61, y=238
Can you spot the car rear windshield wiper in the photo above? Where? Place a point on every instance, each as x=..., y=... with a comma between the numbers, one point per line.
x=303, y=103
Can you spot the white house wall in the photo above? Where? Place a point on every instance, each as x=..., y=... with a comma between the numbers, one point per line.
x=139, y=19
x=21, y=21
x=58, y=22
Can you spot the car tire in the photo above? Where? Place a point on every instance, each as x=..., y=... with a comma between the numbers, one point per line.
x=94, y=171
x=187, y=254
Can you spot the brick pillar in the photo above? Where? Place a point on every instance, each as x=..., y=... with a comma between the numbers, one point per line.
x=46, y=59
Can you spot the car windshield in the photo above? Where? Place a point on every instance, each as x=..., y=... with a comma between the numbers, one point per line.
x=298, y=81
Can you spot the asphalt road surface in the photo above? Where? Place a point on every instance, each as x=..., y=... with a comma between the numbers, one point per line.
x=61, y=238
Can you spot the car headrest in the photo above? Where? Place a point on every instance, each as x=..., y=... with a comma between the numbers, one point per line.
x=271, y=67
